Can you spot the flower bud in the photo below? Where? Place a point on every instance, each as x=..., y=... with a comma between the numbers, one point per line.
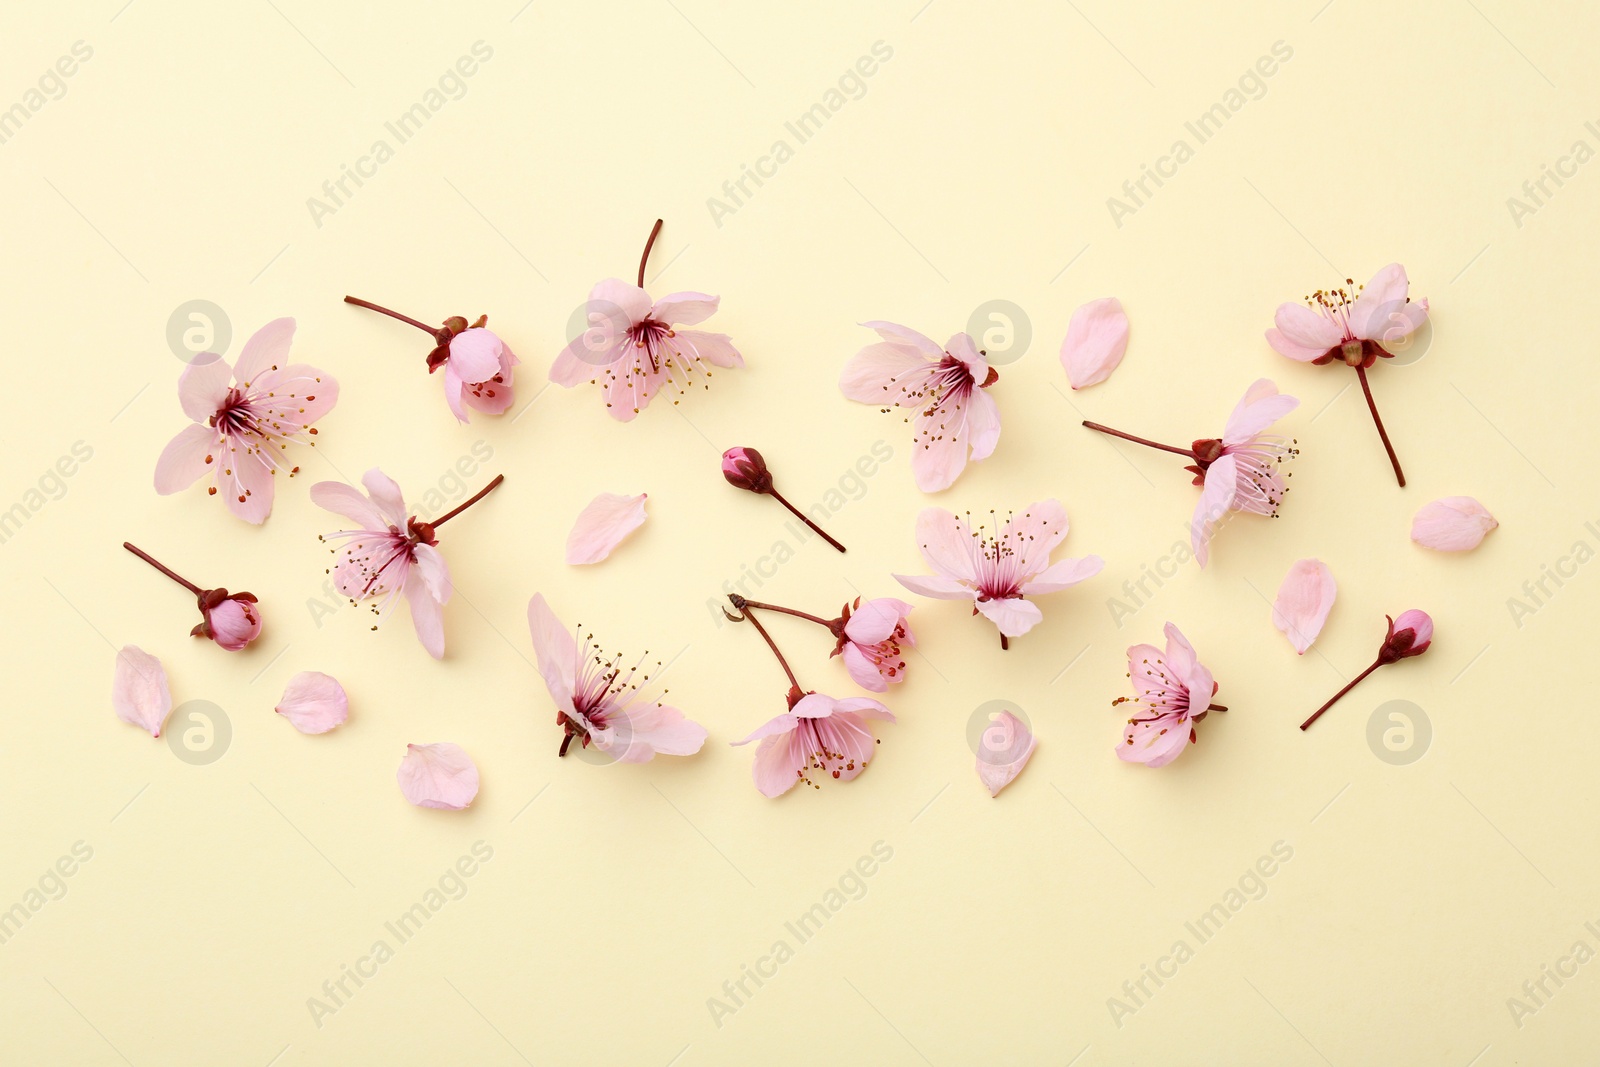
x=745, y=469
x=1409, y=635
x=231, y=620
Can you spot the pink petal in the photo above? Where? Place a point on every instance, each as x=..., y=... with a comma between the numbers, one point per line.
x=1452, y=524
x=427, y=612
x=1221, y=489
x=1303, y=334
x=1382, y=313
x=1031, y=536
x=345, y=500
x=778, y=724
x=862, y=670
x=1004, y=749
x=314, y=703
x=139, y=693
x=492, y=397
x=965, y=349
x=267, y=347
x=1304, y=600
x=1180, y=655
x=1261, y=406
x=936, y=586
x=203, y=387
x=555, y=649
x=385, y=493
x=1156, y=743
x=946, y=544
x=429, y=562
x=297, y=394
x=454, y=389
x=685, y=309
x=778, y=764
x=1012, y=616
x=876, y=620
x=904, y=335
x=644, y=731
x=983, y=424
x=1096, y=339
x=183, y=461
x=603, y=525
x=1063, y=575
x=250, y=478
x=715, y=348
x=438, y=776
x=475, y=355
x=887, y=374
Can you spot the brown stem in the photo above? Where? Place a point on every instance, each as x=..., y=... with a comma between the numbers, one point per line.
x=647, y=246
x=1372, y=406
x=791, y=611
x=1005, y=643
x=744, y=616
x=479, y=495
x=1334, y=699
x=565, y=741
x=802, y=517
x=1189, y=452
x=164, y=569
x=1217, y=707
x=430, y=330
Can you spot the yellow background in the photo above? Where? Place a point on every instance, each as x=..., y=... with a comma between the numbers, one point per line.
x=976, y=166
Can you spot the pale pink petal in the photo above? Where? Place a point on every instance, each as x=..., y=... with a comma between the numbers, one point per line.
x=1156, y=743
x=492, y=397
x=1004, y=749
x=1452, y=524
x=1261, y=406
x=555, y=649
x=890, y=331
x=647, y=730
x=1303, y=334
x=778, y=765
x=249, y=489
x=342, y=499
x=603, y=525
x=139, y=693
x=685, y=309
x=1097, y=338
x=1063, y=574
x=863, y=671
x=1304, y=600
x=939, y=452
x=1012, y=616
x=454, y=388
x=429, y=562
x=1031, y=536
x=1381, y=312
x=1180, y=657
x=296, y=395
x=203, y=387
x=385, y=493
x=778, y=724
x=267, y=347
x=582, y=360
x=438, y=776
x=427, y=613
x=965, y=349
x=887, y=374
x=947, y=544
x=475, y=355
x=715, y=348
x=186, y=458
x=936, y=586
x=983, y=424
x=314, y=703
x=876, y=620
x=1221, y=489
x=865, y=707
x=619, y=299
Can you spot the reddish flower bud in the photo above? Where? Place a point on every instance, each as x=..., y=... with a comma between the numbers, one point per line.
x=231, y=620
x=1409, y=635
x=745, y=469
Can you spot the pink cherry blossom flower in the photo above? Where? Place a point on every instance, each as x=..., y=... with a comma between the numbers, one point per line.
x=1097, y=338
x=230, y=619
x=1239, y=470
x=868, y=636
x=1173, y=690
x=818, y=734
x=1452, y=524
x=998, y=573
x=244, y=419
x=314, y=703
x=1304, y=600
x=1410, y=634
x=440, y=776
x=477, y=363
x=744, y=468
x=603, y=525
x=1004, y=748
x=139, y=693
x=1356, y=326
x=390, y=553
x=956, y=421
x=634, y=347
x=598, y=700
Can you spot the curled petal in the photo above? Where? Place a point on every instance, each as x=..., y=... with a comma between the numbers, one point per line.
x=1003, y=750
x=1012, y=616
x=438, y=776
x=139, y=693
x=1216, y=499
x=603, y=525
x=475, y=355
x=1303, y=334
x=1304, y=600
x=1452, y=524
x=314, y=703
x=1097, y=338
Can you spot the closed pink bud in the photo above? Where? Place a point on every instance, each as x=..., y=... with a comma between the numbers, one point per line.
x=232, y=622
x=745, y=469
x=1409, y=635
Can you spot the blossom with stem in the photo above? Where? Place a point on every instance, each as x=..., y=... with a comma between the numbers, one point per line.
x=744, y=468
x=1410, y=634
x=818, y=734
x=245, y=418
x=232, y=620
x=477, y=363
x=1239, y=470
x=1356, y=325
x=869, y=636
x=391, y=553
x=634, y=347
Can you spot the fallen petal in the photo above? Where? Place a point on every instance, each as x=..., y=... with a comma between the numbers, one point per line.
x=438, y=776
x=603, y=525
x=1097, y=338
x=1004, y=749
x=139, y=693
x=314, y=703
x=1452, y=524
x=1304, y=600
